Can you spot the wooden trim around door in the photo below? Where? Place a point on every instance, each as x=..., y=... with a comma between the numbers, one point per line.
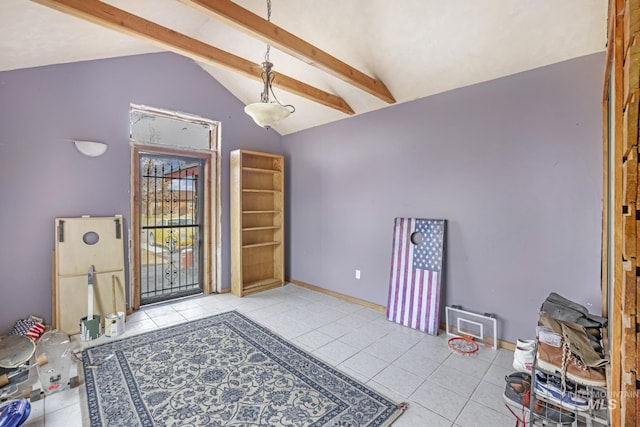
x=211, y=246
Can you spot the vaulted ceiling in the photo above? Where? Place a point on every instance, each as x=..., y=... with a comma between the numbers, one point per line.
x=334, y=58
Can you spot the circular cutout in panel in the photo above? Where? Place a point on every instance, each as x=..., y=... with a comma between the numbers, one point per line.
x=416, y=238
x=90, y=238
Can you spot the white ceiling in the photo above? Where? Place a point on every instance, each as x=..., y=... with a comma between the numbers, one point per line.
x=416, y=48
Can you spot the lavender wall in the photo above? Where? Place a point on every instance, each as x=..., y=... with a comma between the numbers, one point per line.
x=42, y=176
x=514, y=165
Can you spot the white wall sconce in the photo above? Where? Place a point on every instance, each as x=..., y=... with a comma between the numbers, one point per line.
x=91, y=148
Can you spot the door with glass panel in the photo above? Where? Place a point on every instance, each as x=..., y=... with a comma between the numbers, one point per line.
x=170, y=217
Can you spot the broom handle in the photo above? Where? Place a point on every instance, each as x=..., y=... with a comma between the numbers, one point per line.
x=90, y=303
x=90, y=278
x=113, y=292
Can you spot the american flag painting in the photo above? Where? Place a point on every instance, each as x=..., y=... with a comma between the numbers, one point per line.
x=416, y=272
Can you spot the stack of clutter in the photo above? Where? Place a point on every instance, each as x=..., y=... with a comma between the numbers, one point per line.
x=31, y=327
x=517, y=393
x=16, y=351
x=569, y=362
x=570, y=342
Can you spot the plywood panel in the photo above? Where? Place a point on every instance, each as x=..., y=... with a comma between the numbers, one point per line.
x=75, y=256
x=416, y=273
x=73, y=301
x=81, y=243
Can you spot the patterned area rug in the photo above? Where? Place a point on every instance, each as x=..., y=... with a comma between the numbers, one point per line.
x=224, y=370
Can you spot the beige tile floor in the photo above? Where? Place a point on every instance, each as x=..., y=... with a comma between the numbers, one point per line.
x=441, y=388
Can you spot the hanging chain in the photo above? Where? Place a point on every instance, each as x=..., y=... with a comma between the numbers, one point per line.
x=266, y=55
x=267, y=75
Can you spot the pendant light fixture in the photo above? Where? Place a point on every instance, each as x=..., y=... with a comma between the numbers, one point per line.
x=266, y=113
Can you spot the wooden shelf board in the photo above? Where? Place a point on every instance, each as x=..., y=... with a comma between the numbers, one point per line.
x=249, y=286
x=261, y=212
x=260, y=170
x=257, y=245
x=270, y=227
x=255, y=190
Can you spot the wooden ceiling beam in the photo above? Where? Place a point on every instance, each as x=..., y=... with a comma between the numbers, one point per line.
x=124, y=22
x=250, y=23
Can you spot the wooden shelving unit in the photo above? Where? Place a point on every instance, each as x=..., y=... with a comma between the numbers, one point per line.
x=257, y=221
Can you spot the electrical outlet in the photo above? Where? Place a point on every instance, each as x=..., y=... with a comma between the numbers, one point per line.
x=357, y=274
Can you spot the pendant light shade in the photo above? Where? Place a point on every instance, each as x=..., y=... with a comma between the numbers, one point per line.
x=266, y=114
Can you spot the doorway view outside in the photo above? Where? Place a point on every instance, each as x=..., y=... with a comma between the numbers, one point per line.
x=171, y=219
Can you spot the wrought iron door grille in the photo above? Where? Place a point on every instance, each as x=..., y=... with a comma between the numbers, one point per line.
x=170, y=218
